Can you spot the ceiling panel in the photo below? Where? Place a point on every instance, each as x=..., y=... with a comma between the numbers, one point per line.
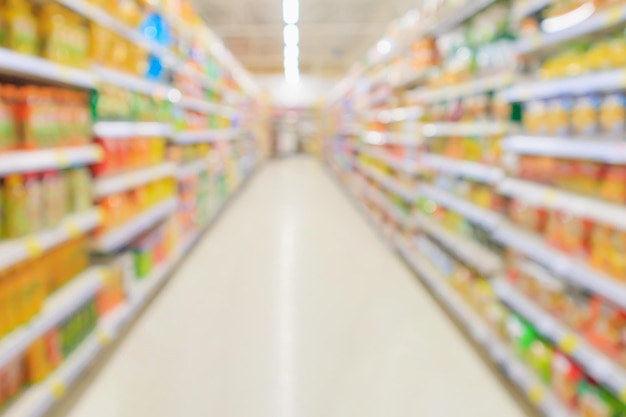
x=333, y=33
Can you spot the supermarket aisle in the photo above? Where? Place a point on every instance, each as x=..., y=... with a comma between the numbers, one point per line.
x=292, y=307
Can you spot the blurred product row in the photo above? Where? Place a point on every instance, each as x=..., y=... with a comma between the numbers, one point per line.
x=488, y=144
x=105, y=185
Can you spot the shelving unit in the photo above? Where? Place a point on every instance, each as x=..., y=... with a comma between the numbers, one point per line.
x=492, y=189
x=116, y=181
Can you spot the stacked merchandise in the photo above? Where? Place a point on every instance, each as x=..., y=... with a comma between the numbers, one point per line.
x=495, y=166
x=121, y=136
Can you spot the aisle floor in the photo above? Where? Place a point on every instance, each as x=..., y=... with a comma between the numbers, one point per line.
x=291, y=306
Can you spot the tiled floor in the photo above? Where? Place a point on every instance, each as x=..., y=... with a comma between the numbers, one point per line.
x=292, y=307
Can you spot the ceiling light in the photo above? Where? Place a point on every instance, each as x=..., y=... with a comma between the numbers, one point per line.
x=291, y=35
x=292, y=51
x=291, y=11
x=383, y=46
x=292, y=75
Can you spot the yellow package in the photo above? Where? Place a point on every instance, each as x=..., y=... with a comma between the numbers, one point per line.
x=613, y=114
x=22, y=35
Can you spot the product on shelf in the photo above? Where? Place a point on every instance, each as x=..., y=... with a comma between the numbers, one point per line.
x=122, y=207
x=37, y=201
x=124, y=155
x=117, y=104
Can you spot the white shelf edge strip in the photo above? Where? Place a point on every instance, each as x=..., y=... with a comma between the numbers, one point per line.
x=462, y=168
x=529, y=7
x=133, y=83
x=598, y=365
x=598, y=21
x=31, y=66
x=465, y=128
x=58, y=307
x=484, y=217
x=113, y=130
x=595, y=82
x=430, y=95
x=372, y=137
x=545, y=196
x=470, y=252
x=389, y=208
x=561, y=264
x=456, y=16
x=15, y=251
x=389, y=183
x=514, y=369
x=42, y=160
x=123, y=235
x=128, y=181
x=596, y=149
x=191, y=169
x=408, y=166
x=208, y=135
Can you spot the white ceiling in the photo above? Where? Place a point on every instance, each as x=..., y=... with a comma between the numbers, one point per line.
x=333, y=33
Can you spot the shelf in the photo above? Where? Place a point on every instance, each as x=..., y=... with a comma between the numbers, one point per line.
x=467, y=250
x=136, y=84
x=205, y=136
x=514, y=369
x=57, y=308
x=610, y=150
x=382, y=201
x=200, y=105
x=595, y=82
x=457, y=15
x=561, y=264
x=15, y=251
x=602, y=212
x=461, y=168
x=32, y=67
x=529, y=7
x=123, y=235
x=128, y=181
x=17, y=162
x=597, y=365
x=124, y=130
x=610, y=17
x=373, y=137
x=102, y=18
x=465, y=129
x=398, y=114
x=483, y=217
x=404, y=165
x=480, y=85
x=389, y=183
x=191, y=169
x=413, y=80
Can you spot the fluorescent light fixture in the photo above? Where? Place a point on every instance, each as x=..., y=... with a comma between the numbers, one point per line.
x=292, y=52
x=383, y=46
x=569, y=19
x=291, y=11
x=292, y=75
x=291, y=35
x=290, y=62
